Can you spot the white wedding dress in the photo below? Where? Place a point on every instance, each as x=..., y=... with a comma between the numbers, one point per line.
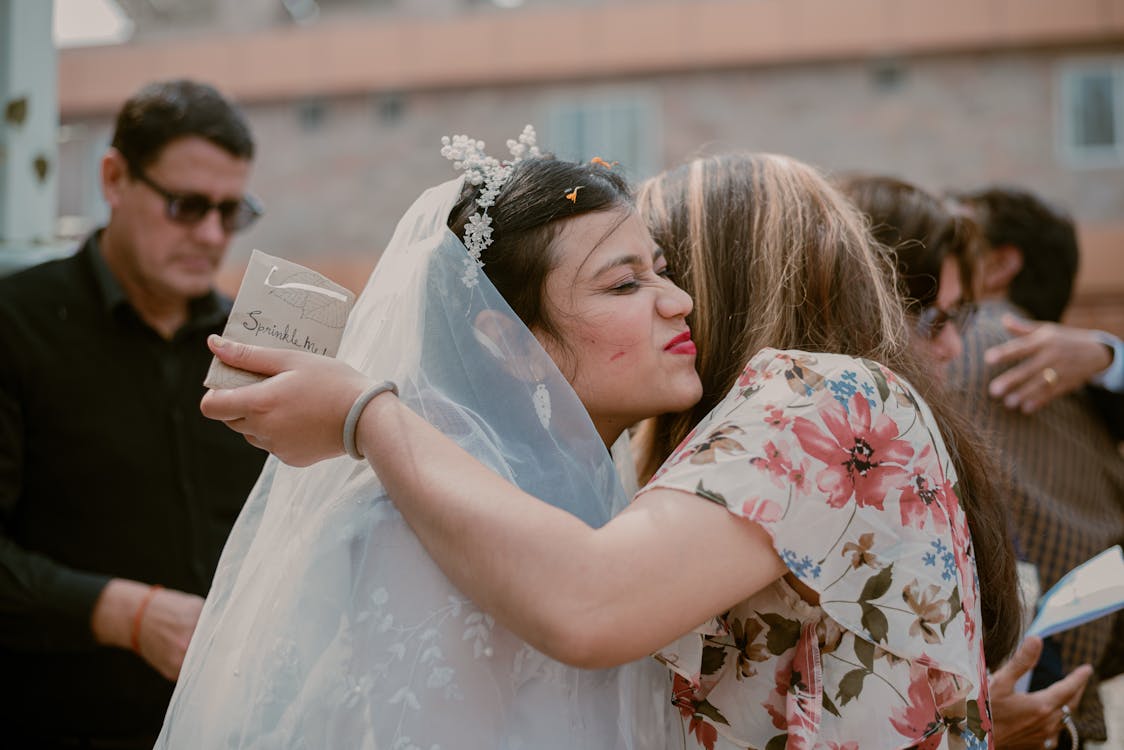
x=328, y=626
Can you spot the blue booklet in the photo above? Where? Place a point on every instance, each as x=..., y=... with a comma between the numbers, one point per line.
x=1093, y=589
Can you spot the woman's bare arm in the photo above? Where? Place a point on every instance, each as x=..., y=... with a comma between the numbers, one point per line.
x=588, y=597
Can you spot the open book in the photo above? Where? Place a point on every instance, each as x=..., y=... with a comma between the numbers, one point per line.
x=1093, y=589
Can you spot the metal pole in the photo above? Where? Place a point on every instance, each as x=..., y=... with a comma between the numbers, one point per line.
x=28, y=133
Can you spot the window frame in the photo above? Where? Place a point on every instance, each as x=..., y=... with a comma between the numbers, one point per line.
x=1069, y=75
x=644, y=100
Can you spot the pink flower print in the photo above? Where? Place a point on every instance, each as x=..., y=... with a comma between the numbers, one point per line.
x=748, y=376
x=950, y=694
x=798, y=477
x=962, y=548
x=761, y=510
x=983, y=698
x=966, y=572
x=775, y=463
x=704, y=732
x=794, y=703
x=925, y=494
x=683, y=694
x=777, y=698
x=782, y=677
x=775, y=417
x=919, y=722
x=852, y=745
x=776, y=714
x=863, y=454
x=682, y=698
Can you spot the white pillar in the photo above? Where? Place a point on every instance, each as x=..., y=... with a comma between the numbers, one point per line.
x=28, y=132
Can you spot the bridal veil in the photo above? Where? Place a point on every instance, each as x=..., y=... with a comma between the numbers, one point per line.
x=328, y=626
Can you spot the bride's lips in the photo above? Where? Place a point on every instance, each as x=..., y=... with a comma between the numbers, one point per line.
x=681, y=344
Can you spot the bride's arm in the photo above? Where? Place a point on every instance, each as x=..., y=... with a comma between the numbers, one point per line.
x=591, y=598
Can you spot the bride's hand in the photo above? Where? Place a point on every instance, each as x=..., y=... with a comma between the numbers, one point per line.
x=298, y=412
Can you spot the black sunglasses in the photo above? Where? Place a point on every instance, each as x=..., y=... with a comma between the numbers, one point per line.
x=932, y=319
x=189, y=209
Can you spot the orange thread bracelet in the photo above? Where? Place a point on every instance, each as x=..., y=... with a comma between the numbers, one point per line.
x=134, y=640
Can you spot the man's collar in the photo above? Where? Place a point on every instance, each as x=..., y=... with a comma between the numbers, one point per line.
x=109, y=288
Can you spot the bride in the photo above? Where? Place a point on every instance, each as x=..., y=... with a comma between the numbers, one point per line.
x=328, y=625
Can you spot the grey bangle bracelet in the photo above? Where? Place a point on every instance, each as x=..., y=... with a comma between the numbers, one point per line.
x=353, y=415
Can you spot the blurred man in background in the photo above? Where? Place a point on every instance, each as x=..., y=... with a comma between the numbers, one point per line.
x=116, y=494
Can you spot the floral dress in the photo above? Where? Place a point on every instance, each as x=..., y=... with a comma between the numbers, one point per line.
x=841, y=463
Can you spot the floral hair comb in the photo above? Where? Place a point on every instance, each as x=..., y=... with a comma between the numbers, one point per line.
x=489, y=174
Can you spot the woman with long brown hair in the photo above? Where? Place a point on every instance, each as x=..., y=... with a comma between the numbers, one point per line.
x=774, y=257
x=812, y=521
x=935, y=251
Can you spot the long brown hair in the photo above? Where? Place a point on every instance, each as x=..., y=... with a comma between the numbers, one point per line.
x=920, y=230
x=776, y=257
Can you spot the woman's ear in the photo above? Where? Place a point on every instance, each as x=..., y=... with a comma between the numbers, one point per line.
x=505, y=338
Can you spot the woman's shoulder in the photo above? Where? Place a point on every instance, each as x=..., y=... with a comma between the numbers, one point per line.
x=770, y=359
x=794, y=378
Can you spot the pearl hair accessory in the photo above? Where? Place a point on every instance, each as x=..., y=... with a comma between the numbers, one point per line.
x=489, y=174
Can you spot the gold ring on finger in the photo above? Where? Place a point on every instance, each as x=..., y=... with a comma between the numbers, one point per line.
x=1050, y=375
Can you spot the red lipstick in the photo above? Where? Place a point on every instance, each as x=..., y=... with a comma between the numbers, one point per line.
x=681, y=344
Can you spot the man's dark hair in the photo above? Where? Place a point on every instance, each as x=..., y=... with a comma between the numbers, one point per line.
x=1045, y=236
x=166, y=111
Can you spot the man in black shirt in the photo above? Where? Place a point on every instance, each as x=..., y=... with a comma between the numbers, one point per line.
x=116, y=494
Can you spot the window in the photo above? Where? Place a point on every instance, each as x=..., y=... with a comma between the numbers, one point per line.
x=615, y=126
x=1092, y=113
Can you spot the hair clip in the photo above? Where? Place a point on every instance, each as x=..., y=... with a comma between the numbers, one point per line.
x=488, y=174
x=602, y=163
x=572, y=196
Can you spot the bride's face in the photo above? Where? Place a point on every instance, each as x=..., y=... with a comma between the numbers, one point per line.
x=623, y=341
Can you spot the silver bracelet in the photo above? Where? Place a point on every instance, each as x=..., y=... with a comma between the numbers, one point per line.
x=353, y=415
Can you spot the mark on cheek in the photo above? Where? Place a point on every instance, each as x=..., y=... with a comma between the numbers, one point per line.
x=617, y=356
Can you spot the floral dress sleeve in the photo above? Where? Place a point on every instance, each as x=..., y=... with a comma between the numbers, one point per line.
x=841, y=464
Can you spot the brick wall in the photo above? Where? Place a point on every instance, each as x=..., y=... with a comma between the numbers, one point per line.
x=336, y=172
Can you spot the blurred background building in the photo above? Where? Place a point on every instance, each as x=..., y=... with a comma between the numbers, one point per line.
x=348, y=100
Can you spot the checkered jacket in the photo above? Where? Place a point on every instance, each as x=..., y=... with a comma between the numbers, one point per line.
x=1066, y=496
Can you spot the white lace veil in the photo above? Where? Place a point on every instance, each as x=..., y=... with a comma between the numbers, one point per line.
x=328, y=626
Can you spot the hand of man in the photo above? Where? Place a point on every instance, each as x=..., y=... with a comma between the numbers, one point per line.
x=1031, y=720
x=166, y=623
x=1052, y=360
x=166, y=628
